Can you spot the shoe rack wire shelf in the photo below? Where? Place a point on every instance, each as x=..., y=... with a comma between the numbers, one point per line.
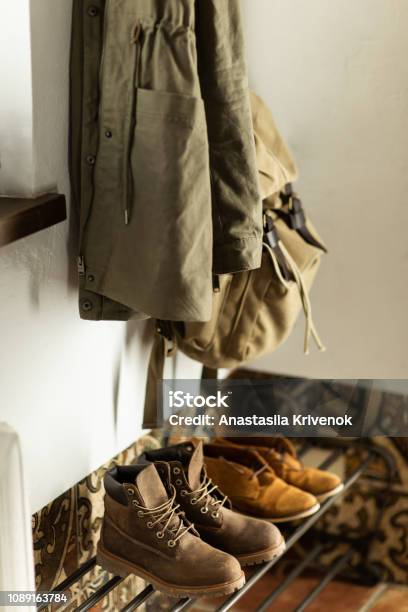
x=337, y=448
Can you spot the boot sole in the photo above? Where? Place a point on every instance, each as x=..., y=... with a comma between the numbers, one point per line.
x=114, y=565
x=324, y=496
x=295, y=517
x=263, y=556
x=287, y=519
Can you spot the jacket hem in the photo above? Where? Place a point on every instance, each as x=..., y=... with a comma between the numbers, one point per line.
x=109, y=289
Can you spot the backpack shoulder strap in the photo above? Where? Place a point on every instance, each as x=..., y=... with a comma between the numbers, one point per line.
x=163, y=346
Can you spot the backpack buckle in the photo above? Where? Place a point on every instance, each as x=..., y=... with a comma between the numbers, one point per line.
x=297, y=217
x=271, y=233
x=286, y=194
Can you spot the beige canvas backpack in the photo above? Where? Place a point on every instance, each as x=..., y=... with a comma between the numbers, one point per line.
x=254, y=311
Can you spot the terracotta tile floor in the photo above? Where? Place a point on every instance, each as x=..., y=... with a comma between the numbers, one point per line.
x=338, y=596
x=394, y=599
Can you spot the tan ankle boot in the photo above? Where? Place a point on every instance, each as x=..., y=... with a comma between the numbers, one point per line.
x=144, y=533
x=253, y=486
x=280, y=454
x=250, y=540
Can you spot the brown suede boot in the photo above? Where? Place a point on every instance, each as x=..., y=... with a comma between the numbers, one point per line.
x=253, y=486
x=144, y=533
x=250, y=540
x=281, y=455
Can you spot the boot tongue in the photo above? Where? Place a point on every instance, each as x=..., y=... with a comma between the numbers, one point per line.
x=151, y=488
x=286, y=447
x=195, y=467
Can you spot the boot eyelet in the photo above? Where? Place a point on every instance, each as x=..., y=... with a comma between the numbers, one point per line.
x=134, y=502
x=184, y=493
x=130, y=491
x=204, y=510
x=179, y=481
x=149, y=525
x=140, y=513
x=171, y=543
x=160, y=535
x=193, y=501
x=215, y=515
x=176, y=470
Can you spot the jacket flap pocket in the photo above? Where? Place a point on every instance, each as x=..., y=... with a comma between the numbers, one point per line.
x=187, y=110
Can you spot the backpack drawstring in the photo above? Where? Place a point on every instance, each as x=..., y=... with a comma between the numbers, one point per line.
x=310, y=330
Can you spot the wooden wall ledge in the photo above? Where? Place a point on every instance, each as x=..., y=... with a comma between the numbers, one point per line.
x=21, y=217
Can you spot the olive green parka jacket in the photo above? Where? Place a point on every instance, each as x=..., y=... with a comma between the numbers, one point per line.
x=162, y=156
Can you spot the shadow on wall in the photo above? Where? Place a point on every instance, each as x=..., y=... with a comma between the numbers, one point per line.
x=138, y=336
x=72, y=249
x=50, y=58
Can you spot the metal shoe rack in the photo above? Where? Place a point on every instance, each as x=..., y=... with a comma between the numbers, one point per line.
x=364, y=572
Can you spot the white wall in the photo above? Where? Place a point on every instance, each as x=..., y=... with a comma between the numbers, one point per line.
x=335, y=75
x=16, y=126
x=50, y=48
x=73, y=390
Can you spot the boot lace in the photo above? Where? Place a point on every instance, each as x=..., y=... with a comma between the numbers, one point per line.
x=163, y=515
x=255, y=474
x=261, y=470
x=206, y=490
x=284, y=446
x=281, y=462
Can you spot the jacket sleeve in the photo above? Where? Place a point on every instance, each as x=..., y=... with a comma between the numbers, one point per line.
x=237, y=207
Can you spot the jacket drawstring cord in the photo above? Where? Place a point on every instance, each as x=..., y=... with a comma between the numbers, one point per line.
x=135, y=38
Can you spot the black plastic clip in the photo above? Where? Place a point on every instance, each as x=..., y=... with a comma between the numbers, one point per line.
x=297, y=217
x=286, y=194
x=271, y=233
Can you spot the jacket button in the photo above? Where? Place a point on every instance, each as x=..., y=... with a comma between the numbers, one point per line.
x=108, y=134
x=91, y=159
x=91, y=278
x=93, y=11
x=87, y=305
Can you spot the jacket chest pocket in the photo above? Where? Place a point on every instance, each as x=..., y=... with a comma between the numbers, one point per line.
x=149, y=92
x=170, y=147
x=169, y=166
